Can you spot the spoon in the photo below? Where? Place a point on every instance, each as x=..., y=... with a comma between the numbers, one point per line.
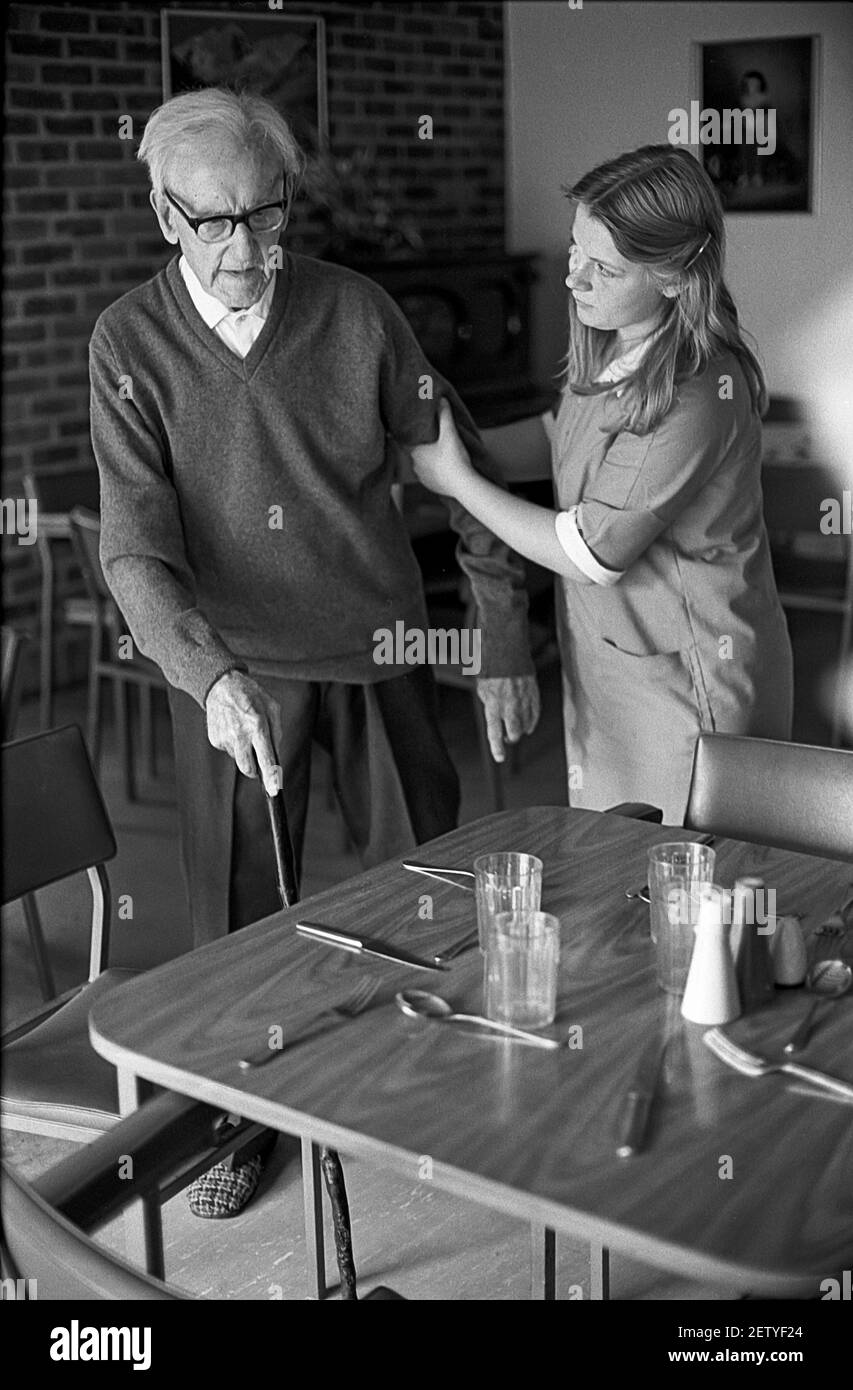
x=829, y=979
x=418, y=1003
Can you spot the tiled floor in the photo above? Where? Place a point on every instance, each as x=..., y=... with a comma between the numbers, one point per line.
x=425, y=1243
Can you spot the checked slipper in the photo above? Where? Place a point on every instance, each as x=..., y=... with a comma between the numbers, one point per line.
x=223, y=1191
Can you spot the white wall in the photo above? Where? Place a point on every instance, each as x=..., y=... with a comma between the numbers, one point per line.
x=585, y=85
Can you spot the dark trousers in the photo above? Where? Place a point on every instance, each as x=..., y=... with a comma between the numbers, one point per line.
x=392, y=774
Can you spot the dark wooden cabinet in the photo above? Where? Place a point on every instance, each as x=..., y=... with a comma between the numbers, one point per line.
x=471, y=315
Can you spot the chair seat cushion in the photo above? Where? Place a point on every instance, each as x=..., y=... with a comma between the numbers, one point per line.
x=54, y=1074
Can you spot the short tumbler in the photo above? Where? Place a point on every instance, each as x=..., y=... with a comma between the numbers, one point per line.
x=520, y=971
x=506, y=883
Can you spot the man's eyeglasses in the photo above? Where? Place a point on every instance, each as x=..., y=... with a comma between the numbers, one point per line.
x=267, y=218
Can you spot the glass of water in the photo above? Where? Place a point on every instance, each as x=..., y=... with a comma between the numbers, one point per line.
x=678, y=871
x=505, y=883
x=520, y=971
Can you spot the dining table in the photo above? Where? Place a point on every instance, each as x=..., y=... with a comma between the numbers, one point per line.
x=745, y=1183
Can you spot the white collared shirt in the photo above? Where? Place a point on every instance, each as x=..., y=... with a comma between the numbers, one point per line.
x=238, y=328
x=567, y=525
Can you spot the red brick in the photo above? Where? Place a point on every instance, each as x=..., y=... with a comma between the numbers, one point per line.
x=36, y=98
x=45, y=255
x=119, y=24
x=119, y=75
x=92, y=48
x=32, y=152
x=69, y=125
x=74, y=73
x=76, y=21
x=32, y=45
x=94, y=101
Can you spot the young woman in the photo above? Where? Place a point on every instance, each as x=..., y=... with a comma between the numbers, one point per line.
x=669, y=622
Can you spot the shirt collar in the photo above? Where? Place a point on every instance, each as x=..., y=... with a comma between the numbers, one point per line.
x=211, y=310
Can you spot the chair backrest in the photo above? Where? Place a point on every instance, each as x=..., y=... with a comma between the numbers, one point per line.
x=793, y=496
x=41, y=1246
x=55, y=822
x=789, y=795
x=86, y=539
x=60, y=488
x=14, y=644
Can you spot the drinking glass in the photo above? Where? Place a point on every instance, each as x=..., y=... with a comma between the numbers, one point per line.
x=505, y=883
x=678, y=872
x=520, y=972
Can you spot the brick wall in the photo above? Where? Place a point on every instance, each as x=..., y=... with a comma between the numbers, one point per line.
x=80, y=232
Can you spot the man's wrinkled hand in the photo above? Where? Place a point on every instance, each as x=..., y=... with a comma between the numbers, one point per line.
x=512, y=709
x=245, y=722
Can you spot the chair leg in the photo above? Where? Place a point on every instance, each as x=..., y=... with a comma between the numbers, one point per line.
x=93, y=702
x=46, y=640
x=146, y=737
x=543, y=1263
x=39, y=949
x=120, y=705
x=312, y=1200
x=599, y=1272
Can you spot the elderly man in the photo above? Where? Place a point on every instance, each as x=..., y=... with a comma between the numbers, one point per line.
x=246, y=405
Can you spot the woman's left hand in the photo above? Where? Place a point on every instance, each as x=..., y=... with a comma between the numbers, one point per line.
x=443, y=466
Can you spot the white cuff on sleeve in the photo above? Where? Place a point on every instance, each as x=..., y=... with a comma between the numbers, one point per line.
x=579, y=552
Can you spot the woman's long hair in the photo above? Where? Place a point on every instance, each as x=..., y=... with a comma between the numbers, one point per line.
x=662, y=211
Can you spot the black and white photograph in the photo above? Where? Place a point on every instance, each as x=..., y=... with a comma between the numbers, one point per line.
x=427, y=681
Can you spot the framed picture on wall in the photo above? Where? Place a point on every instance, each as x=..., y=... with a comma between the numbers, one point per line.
x=756, y=122
x=280, y=56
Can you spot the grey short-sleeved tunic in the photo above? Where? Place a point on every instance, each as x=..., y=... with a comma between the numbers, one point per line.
x=692, y=637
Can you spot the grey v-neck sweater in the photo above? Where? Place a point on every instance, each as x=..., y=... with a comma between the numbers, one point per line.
x=246, y=511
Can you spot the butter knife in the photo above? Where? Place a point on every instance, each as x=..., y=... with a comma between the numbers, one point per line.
x=365, y=946
x=639, y=1100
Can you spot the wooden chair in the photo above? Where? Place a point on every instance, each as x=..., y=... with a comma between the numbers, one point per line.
x=53, y=1082
x=820, y=581
x=107, y=663
x=55, y=491
x=47, y=1223
x=14, y=646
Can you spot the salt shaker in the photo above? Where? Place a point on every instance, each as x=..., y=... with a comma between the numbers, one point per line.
x=788, y=950
x=753, y=962
x=711, y=993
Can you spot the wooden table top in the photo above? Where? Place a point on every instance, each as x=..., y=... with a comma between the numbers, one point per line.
x=740, y=1178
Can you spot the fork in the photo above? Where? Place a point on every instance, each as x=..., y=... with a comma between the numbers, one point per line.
x=751, y=1065
x=350, y=1007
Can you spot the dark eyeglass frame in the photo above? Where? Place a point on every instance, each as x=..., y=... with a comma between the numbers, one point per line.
x=235, y=218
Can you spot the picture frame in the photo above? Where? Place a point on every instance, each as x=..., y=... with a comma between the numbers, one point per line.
x=775, y=84
x=279, y=56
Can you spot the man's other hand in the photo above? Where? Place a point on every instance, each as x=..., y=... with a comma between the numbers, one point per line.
x=245, y=722
x=512, y=705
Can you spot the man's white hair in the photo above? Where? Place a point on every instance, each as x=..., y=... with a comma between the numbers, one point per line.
x=250, y=120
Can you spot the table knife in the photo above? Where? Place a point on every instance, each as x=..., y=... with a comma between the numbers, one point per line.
x=638, y=1102
x=365, y=946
